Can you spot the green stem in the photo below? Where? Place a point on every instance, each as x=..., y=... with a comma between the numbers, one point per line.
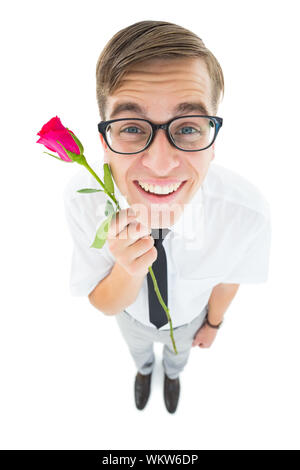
x=163, y=306
x=87, y=166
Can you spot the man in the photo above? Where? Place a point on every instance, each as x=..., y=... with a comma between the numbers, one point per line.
x=216, y=224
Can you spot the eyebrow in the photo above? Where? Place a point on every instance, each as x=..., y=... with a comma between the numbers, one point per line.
x=179, y=109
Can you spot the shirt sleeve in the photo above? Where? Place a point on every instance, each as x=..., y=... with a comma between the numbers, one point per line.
x=89, y=265
x=253, y=264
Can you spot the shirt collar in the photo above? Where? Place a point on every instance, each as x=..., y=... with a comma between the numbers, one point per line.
x=190, y=224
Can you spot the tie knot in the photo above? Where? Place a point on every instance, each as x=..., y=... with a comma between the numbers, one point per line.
x=159, y=235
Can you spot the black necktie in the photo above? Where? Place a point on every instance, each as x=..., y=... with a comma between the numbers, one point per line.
x=157, y=314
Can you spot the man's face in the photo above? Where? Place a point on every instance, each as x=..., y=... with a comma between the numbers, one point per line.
x=159, y=86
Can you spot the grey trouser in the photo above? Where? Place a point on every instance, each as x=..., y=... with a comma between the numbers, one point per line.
x=140, y=338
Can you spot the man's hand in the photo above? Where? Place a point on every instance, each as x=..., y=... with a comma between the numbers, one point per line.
x=221, y=296
x=205, y=336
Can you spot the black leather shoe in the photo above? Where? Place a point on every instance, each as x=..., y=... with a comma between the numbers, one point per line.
x=171, y=393
x=142, y=387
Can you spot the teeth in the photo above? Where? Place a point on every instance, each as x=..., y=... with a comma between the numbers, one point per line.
x=160, y=189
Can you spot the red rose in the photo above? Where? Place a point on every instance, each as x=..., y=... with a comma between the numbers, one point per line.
x=54, y=131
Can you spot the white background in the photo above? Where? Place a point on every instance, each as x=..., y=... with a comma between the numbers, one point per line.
x=66, y=373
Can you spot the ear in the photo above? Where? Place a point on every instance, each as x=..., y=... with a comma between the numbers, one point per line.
x=105, y=148
x=103, y=142
x=212, y=151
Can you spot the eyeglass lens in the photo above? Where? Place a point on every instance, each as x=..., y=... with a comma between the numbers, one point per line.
x=188, y=133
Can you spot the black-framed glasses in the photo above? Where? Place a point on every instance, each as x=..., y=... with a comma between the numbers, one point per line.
x=134, y=135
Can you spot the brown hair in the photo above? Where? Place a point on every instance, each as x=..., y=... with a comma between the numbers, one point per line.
x=148, y=40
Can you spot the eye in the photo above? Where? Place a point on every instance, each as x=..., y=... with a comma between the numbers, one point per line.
x=188, y=129
x=132, y=130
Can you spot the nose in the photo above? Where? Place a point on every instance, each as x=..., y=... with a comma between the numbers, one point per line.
x=161, y=156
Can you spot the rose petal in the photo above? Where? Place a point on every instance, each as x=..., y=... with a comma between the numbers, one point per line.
x=53, y=125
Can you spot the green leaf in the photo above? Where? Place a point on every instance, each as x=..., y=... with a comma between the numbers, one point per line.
x=56, y=157
x=109, y=208
x=77, y=141
x=108, y=182
x=101, y=233
x=73, y=156
x=89, y=190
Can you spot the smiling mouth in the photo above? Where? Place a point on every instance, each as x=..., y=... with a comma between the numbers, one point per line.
x=159, y=197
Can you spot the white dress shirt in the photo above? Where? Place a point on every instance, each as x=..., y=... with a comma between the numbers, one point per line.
x=222, y=236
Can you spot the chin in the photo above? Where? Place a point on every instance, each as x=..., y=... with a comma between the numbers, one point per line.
x=160, y=216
